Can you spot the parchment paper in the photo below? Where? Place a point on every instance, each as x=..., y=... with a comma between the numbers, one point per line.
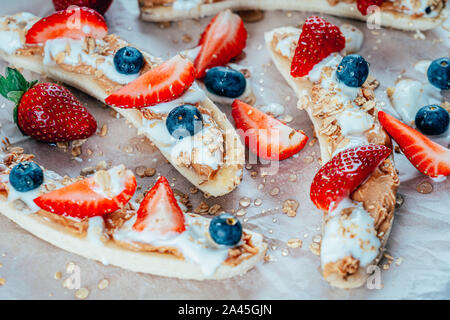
x=419, y=243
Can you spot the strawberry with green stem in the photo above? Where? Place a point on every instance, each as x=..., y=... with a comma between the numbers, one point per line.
x=46, y=112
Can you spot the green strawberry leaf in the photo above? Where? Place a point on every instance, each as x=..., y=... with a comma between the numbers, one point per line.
x=14, y=85
x=15, y=96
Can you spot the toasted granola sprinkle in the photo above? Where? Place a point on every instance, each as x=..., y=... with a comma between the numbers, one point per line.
x=424, y=187
x=82, y=293
x=202, y=208
x=290, y=207
x=103, y=284
x=314, y=248
x=101, y=165
x=2, y=281
x=103, y=130
x=87, y=171
x=214, y=208
x=294, y=243
x=58, y=275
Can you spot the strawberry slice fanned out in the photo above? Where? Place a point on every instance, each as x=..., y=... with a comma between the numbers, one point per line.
x=318, y=40
x=340, y=176
x=264, y=135
x=105, y=192
x=223, y=39
x=161, y=84
x=427, y=156
x=74, y=22
x=159, y=211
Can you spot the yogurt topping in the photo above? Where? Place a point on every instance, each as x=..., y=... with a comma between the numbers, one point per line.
x=186, y=5
x=12, y=31
x=349, y=234
x=194, y=243
x=353, y=38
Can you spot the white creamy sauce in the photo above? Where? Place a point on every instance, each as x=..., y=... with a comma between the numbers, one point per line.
x=194, y=243
x=185, y=5
x=50, y=178
x=75, y=56
x=158, y=130
x=411, y=95
x=11, y=40
x=275, y=109
x=286, y=46
x=117, y=182
x=354, y=235
x=353, y=38
x=410, y=8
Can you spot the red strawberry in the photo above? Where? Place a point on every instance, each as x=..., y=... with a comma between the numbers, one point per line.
x=427, y=156
x=74, y=23
x=318, y=40
x=101, y=6
x=264, y=135
x=223, y=39
x=340, y=176
x=161, y=84
x=93, y=196
x=363, y=5
x=46, y=111
x=159, y=211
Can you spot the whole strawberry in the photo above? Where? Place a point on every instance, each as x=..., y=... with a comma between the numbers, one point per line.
x=318, y=40
x=363, y=5
x=101, y=6
x=46, y=112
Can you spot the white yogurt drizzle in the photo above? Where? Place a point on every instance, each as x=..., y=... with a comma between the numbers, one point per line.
x=186, y=5
x=410, y=7
x=195, y=243
x=353, y=235
x=11, y=40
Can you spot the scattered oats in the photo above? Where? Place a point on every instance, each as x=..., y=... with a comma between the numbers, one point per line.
x=386, y=266
x=290, y=207
x=269, y=258
x=399, y=261
x=187, y=38
x=1, y=265
x=2, y=281
x=308, y=159
x=312, y=141
x=58, y=275
x=140, y=171
x=285, y=252
x=293, y=177
x=317, y=238
x=87, y=171
x=314, y=248
x=258, y=202
x=424, y=187
x=214, y=209
x=254, y=174
x=294, y=243
x=103, y=284
x=67, y=283
x=202, y=208
x=193, y=190
x=82, y=293
x=275, y=191
x=245, y=202
x=101, y=165
x=388, y=256
x=103, y=130
x=128, y=149
x=76, y=151
x=241, y=212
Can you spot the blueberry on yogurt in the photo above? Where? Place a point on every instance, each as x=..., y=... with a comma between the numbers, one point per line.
x=439, y=73
x=128, y=60
x=26, y=176
x=353, y=70
x=225, y=82
x=225, y=230
x=183, y=121
x=432, y=120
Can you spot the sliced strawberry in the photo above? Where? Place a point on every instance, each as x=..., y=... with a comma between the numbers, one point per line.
x=159, y=211
x=318, y=40
x=161, y=84
x=264, y=135
x=223, y=39
x=340, y=176
x=74, y=22
x=93, y=196
x=363, y=5
x=427, y=156
x=101, y=6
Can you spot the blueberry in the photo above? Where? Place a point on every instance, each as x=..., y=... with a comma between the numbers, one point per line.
x=26, y=176
x=353, y=70
x=225, y=82
x=183, y=121
x=225, y=229
x=439, y=73
x=128, y=60
x=432, y=120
